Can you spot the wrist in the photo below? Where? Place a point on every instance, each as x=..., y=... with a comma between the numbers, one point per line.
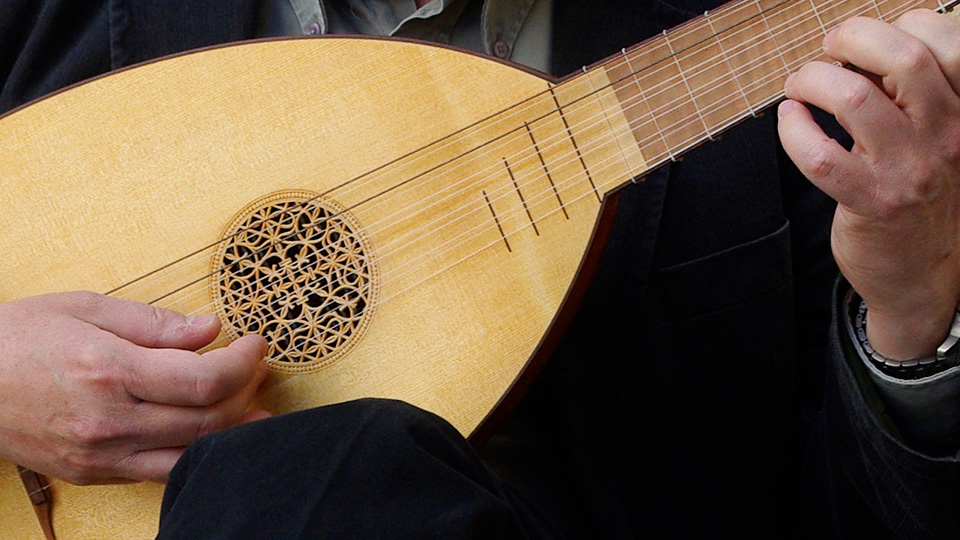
x=919, y=396
x=906, y=336
x=945, y=356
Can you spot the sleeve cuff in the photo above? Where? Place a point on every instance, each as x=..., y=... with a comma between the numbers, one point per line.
x=926, y=411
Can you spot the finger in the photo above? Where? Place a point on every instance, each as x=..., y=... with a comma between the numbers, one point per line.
x=150, y=465
x=144, y=324
x=858, y=105
x=155, y=465
x=184, y=378
x=908, y=70
x=253, y=416
x=164, y=425
x=819, y=157
x=941, y=35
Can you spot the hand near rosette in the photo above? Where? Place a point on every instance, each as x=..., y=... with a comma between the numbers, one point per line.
x=96, y=389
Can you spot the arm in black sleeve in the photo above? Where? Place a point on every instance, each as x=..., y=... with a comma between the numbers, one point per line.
x=860, y=479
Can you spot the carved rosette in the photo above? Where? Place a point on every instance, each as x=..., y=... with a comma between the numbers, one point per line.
x=297, y=269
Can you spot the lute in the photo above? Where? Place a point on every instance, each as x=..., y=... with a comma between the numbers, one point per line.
x=399, y=219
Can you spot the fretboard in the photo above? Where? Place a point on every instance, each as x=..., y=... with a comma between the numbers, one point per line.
x=691, y=83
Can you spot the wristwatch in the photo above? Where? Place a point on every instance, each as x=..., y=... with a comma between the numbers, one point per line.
x=946, y=357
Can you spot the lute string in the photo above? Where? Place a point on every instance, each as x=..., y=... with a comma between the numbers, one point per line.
x=318, y=224
x=454, y=241
x=548, y=192
x=942, y=7
x=518, y=207
x=392, y=162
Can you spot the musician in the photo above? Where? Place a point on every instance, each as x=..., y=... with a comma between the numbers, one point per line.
x=703, y=390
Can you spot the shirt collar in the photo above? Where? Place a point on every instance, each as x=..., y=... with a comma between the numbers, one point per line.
x=500, y=23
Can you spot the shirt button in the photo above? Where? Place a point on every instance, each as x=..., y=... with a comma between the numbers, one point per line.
x=501, y=49
x=314, y=29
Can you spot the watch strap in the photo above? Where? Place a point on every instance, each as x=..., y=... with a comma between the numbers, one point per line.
x=946, y=357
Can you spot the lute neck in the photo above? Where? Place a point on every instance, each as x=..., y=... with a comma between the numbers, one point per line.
x=690, y=84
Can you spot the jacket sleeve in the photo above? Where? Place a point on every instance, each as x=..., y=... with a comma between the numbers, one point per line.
x=860, y=480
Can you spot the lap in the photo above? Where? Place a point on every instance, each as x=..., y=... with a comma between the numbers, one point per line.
x=363, y=469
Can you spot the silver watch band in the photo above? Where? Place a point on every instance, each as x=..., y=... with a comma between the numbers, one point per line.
x=947, y=355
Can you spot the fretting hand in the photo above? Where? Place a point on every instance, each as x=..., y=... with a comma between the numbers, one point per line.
x=96, y=389
x=896, y=232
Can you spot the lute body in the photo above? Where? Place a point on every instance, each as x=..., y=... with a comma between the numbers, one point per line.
x=454, y=274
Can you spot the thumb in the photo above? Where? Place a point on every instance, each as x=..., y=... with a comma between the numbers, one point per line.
x=143, y=324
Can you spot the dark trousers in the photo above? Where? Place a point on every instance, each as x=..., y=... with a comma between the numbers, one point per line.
x=364, y=469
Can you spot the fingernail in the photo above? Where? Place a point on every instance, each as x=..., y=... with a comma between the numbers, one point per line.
x=785, y=107
x=201, y=320
x=264, y=349
x=827, y=39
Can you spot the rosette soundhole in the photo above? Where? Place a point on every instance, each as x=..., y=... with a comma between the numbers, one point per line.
x=297, y=270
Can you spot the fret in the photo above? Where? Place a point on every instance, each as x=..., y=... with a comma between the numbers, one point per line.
x=525, y=193
x=613, y=130
x=714, y=88
x=798, y=33
x=763, y=17
x=576, y=147
x=889, y=11
x=751, y=50
x=656, y=123
x=689, y=84
x=816, y=13
x=686, y=84
x=663, y=99
x=669, y=119
x=606, y=147
x=496, y=220
x=523, y=200
x=645, y=126
x=616, y=129
x=837, y=11
x=726, y=60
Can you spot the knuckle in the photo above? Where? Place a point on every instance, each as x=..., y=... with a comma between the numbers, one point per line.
x=86, y=303
x=819, y=163
x=94, y=368
x=87, y=431
x=848, y=31
x=156, y=324
x=161, y=318
x=910, y=18
x=211, y=422
x=912, y=57
x=82, y=466
x=949, y=57
x=950, y=147
x=924, y=189
x=207, y=388
x=857, y=94
x=78, y=476
x=918, y=189
x=888, y=204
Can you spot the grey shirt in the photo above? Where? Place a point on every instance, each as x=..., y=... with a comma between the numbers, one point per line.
x=518, y=30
